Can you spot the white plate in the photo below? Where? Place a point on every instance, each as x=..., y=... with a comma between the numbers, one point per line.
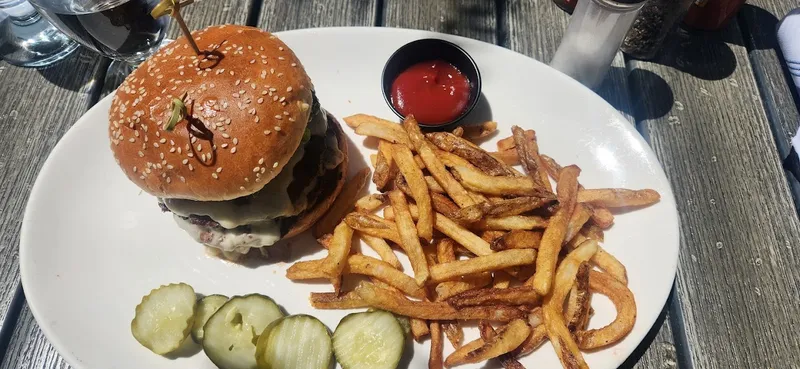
x=93, y=244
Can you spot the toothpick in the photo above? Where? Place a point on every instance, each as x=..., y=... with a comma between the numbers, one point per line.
x=173, y=8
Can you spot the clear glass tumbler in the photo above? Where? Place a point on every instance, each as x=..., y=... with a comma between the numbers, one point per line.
x=27, y=40
x=593, y=37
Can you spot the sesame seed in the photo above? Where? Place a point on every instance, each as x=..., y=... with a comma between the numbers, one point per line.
x=224, y=146
x=163, y=140
x=199, y=147
x=185, y=161
x=183, y=179
x=253, y=86
x=134, y=169
x=257, y=119
x=191, y=155
x=191, y=167
x=179, y=150
x=256, y=169
x=274, y=98
x=225, y=135
x=148, y=170
x=215, y=175
x=233, y=150
x=280, y=75
x=278, y=117
x=238, y=81
x=285, y=112
x=169, y=179
x=241, y=188
x=281, y=58
x=280, y=48
x=141, y=154
x=231, y=72
x=275, y=165
x=241, y=92
x=161, y=155
x=235, y=95
x=267, y=132
x=194, y=139
x=277, y=129
x=132, y=140
x=260, y=101
x=294, y=64
x=219, y=169
x=273, y=89
x=282, y=99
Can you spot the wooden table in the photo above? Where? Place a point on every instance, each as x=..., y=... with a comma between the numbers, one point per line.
x=716, y=108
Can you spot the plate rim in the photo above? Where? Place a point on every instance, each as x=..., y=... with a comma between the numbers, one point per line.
x=668, y=196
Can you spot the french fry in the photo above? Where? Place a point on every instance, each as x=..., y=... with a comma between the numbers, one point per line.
x=462, y=236
x=454, y=333
x=329, y=300
x=492, y=236
x=600, y=215
x=520, y=295
x=448, y=289
x=367, y=125
x=538, y=333
x=506, y=339
x=554, y=234
x=437, y=346
x=371, y=202
x=579, y=301
x=496, y=261
x=481, y=130
x=516, y=206
x=528, y=151
x=343, y=204
x=512, y=222
x=382, y=249
x=440, y=202
x=509, y=157
x=413, y=175
x=408, y=234
x=609, y=264
x=467, y=215
x=382, y=299
x=372, y=225
x=625, y=304
x=472, y=153
x=579, y=217
x=497, y=185
x=434, y=165
x=419, y=329
x=433, y=186
x=385, y=170
x=383, y=271
x=618, y=197
x=508, y=142
x=501, y=280
x=517, y=239
x=507, y=360
x=566, y=348
x=325, y=240
x=339, y=250
x=311, y=269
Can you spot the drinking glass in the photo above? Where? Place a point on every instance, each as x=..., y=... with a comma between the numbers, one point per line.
x=27, y=40
x=122, y=30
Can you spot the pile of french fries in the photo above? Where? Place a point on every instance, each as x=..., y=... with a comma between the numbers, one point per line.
x=486, y=243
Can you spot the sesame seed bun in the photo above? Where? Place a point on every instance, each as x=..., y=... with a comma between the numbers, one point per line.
x=248, y=102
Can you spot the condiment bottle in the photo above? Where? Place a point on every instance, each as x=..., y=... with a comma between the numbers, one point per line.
x=711, y=15
x=654, y=22
x=593, y=37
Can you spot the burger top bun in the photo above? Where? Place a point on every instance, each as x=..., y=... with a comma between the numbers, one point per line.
x=247, y=99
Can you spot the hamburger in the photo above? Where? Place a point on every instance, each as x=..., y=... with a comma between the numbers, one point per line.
x=233, y=142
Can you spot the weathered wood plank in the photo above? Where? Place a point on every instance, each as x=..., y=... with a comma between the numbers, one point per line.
x=38, y=113
x=30, y=348
x=31, y=127
x=736, y=283
x=284, y=15
x=758, y=20
x=469, y=18
x=535, y=28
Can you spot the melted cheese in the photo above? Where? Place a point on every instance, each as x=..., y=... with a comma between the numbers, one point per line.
x=264, y=233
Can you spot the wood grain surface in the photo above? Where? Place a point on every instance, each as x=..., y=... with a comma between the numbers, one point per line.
x=283, y=15
x=758, y=20
x=469, y=18
x=714, y=107
x=31, y=126
x=738, y=271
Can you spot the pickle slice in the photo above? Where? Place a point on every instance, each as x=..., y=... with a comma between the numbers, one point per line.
x=295, y=342
x=230, y=335
x=164, y=317
x=206, y=307
x=371, y=340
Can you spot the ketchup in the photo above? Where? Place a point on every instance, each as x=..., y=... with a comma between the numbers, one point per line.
x=434, y=91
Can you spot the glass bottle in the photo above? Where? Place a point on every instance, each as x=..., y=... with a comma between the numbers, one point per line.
x=593, y=37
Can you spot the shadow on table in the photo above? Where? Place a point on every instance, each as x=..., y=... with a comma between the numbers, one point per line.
x=759, y=29
x=66, y=73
